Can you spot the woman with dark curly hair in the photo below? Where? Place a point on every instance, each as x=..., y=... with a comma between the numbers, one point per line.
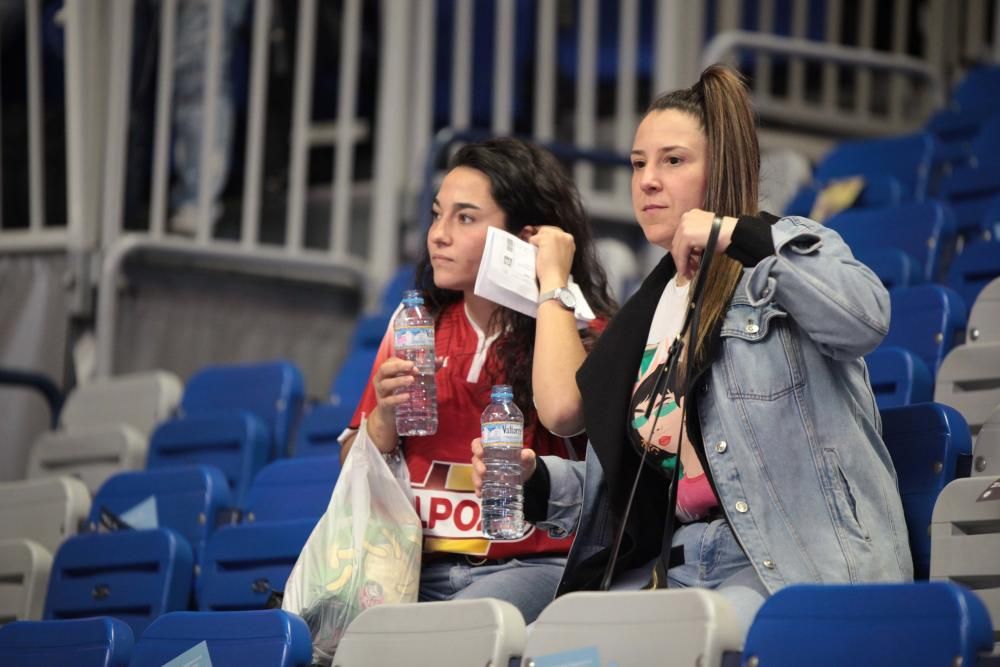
x=517, y=187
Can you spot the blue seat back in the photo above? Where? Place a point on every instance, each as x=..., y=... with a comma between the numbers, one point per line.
x=906, y=158
x=924, y=231
x=235, y=442
x=271, y=638
x=272, y=391
x=244, y=563
x=370, y=330
x=898, y=377
x=320, y=428
x=84, y=642
x=930, y=445
x=926, y=320
x=402, y=280
x=974, y=269
x=351, y=380
x=184, y=499
x=880, y=191
x=297, y=488
x=893, y=266
x=936, y=623
x=132, y=575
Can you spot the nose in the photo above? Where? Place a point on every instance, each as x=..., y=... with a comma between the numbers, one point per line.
x=438, y=234
x=649, y=180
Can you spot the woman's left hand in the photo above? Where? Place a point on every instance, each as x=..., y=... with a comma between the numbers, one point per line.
x=692, y=236
x=555, y=255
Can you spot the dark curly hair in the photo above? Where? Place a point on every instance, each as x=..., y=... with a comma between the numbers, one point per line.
x=532, y=188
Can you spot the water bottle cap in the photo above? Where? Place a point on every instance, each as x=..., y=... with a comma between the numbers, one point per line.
x=413, y=297
x=502, y=392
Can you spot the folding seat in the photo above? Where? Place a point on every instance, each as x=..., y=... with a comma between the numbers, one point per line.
x=984, y=320
x=319, y=429
x=870, y=624
x=237, y=443
x=244, y=563
x=627, y=628
x=84, y=642
x=185, y=499
x=620, y=265
x=24, y=577
x=898, y=377
x=88, y=453
x=969, y=381
x=141, y=400
x=925, y=231
x=880, y=190
x=973, y=269
x=971, y=189
x=401, y=281
x=930, y=445
x=965, y=538
x=46, y=511
x=132, y=575
x=907, y=159
x=454, y=633
x=986, y=452
x=894, y=267
x=272, y=391
x=271, y=638
x=926, y=320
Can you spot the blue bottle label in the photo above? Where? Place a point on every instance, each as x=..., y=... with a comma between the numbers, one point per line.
x=510, y=434
x=406, y=338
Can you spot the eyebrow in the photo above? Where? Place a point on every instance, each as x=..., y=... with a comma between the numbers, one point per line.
x=458, y=206
x=664, y=149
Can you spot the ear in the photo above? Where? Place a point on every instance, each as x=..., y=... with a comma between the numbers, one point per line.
x=527, y=232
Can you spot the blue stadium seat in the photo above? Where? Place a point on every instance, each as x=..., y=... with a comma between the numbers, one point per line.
x=926, y=320
x=236, y=442
x=244, y=562
x=85, y=642
x=352, y=378
x=924, y=231
x=271, y=638
x=370, y=330
x=293, y=489
x=320, y=428
x=905, y=158
x=898, y=377
x=930, y=445
x=970, y=189
x=974, y=269
x=402, y=280
x=933, y=623
x=893, y=267
x=880, y=191
x=132, y=575
x=273, y=391
x=184, y=499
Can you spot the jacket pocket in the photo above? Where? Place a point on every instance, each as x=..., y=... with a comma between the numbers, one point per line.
x=845, y=505
x=760, y=352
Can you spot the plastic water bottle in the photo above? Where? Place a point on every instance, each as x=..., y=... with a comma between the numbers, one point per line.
x=503, y=493
x=413, y=339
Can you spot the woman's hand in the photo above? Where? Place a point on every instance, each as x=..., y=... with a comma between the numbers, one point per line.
x=528, y=464
x=692, y=236
x=555, y=255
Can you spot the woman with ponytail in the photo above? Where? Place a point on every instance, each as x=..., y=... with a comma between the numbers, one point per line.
x=782, y=476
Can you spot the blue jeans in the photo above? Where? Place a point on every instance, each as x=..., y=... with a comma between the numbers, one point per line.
x=713, y=559
x=527, y=583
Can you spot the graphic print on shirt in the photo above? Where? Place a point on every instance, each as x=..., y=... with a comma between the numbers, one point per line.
x=659, y=445
x=450, y=512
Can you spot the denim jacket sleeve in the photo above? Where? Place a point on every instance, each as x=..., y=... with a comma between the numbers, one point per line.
x=566, y=483
x=834, y=299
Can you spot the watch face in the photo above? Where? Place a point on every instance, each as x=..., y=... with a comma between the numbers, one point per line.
x=567, y=299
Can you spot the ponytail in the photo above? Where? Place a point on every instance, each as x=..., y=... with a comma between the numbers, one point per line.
x=721, y=104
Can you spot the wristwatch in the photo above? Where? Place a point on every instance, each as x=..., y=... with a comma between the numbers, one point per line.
x=560, y=294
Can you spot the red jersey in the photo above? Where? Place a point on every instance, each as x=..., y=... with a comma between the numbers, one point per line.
x=440, y=465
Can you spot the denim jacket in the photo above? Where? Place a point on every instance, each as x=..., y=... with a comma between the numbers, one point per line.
x=786, y=422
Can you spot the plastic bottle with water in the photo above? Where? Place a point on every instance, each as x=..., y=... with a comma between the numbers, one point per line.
x=503, y=492
x=413, y=339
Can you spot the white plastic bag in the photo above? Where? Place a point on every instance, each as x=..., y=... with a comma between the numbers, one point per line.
x=364, y=551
